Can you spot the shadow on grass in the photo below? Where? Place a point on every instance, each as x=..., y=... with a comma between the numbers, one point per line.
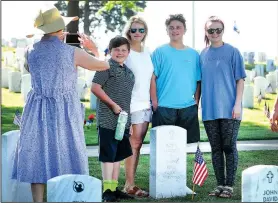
x=254, y=108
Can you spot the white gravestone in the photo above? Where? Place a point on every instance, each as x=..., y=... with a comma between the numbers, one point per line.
x=93, y=101
x=5, y=77
x=252, y=75
x=22, y=69
x=250, y=58
x=9, y=58
x=74, y=188
x=270, y=65
x=260, y=184
x=248, y=77
x=14, y=81
x=81, y=71
x=271, y=78
x=259, y=70
x=25, y=85
x=276, y=74
x=20, y=53
x=12, y=190
x=89, y=76
x=245, y=56
x=261, y=56
x=260, y=85
x=81, y=88
x=168, y=162
x=21, y=43
x=248, y=96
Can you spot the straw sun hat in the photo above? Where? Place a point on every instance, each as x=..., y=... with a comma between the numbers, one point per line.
x=49, y=20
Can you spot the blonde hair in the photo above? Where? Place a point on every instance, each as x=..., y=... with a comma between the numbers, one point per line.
x=135, y=19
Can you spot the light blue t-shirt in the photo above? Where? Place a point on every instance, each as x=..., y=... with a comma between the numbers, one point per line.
x=177, y=73
x=221, y=68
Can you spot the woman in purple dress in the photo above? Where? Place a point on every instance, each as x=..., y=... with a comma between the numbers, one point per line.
x=52, y=139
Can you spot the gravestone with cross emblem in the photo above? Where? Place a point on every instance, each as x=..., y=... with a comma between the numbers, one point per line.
x=74, y=188
x=168, y=162
x=260, y=184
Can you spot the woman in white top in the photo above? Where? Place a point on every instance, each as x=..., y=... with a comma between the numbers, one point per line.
x=139, y=61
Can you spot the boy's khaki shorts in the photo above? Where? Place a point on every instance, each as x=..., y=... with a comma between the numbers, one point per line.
x=141, y=116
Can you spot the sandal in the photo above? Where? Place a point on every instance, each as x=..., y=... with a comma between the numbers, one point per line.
x=217, y=191
x=227, y=192
x=136, y=192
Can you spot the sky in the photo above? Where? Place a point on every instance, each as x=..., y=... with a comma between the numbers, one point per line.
x=256, y=20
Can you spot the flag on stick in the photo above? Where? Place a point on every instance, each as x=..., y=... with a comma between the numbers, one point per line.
x=236, y=28
x=268, y=113
x=265, y=108
x=17, y=118
x=200, y=169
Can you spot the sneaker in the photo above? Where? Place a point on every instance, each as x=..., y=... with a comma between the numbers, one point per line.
x=121, y=195
x=108, y=196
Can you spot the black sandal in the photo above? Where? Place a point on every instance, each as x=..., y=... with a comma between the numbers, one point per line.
x=217, y=191
x=227, y=192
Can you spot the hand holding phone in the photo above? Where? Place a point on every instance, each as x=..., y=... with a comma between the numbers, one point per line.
x=72, y=39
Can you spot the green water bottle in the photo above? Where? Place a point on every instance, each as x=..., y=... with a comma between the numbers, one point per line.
x=120, y=129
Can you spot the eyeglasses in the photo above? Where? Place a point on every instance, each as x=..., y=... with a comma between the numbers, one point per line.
x=134, y=30
x=217, y=30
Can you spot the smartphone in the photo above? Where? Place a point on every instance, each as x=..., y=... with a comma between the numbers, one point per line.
x=72, y=39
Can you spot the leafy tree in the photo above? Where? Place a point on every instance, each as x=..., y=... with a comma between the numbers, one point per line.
x=92, y=13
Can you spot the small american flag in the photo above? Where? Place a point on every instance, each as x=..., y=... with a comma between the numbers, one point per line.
x=268, y=113
x=17, y=118
x=236, y=28
x=269, y=88
x=200, y=173
x=265, y=108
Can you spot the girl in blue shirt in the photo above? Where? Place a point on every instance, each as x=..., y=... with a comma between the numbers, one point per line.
x=223, y=74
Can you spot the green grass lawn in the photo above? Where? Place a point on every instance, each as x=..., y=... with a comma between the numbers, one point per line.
x=254, y=125
x=246, y=160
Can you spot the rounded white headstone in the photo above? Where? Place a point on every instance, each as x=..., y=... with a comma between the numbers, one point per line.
x=14, y=81
x=74, y=188
x=5, y=77
x=248, y=77
x=260, y=85
x=270, y=65
x=81, y=88
x=25, y=85
x=259, y=70
x=248, y=96
x=89, y=76
x=271, y=78
x=260, y=184
x=168, y=162
x=93, y=101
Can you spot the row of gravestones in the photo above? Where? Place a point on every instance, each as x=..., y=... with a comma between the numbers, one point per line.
x=21, y=82
x=167, y=174
x=250, y=58
x=262, y=85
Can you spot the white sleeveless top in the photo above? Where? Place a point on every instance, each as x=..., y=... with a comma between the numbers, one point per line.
x=141, y=65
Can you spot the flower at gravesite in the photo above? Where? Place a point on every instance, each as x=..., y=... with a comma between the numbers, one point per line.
x=91, y=117
x=88, y=123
